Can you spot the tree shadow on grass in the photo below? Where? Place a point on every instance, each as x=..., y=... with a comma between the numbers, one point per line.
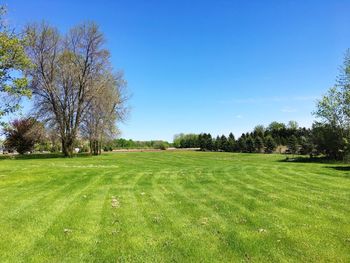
x=41, y=156
x=340, y=168
x=306, y=159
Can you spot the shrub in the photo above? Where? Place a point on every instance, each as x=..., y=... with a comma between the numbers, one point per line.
x=160, y=146
x=84, y=149
x=23, y=134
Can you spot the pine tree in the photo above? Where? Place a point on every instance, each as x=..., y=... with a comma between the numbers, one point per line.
x=250, y=144
x=224, y=143
x=293, y=144
x=209, y=142
x=242, y=146
x=306, y=146
x=217, y=143
x=201, y=141
x=231, y=142
x=270, y=144
x=259, y=144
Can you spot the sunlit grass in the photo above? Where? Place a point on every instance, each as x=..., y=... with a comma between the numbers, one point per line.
x=173, y=206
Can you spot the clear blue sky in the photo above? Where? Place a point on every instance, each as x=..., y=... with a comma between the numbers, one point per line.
x=211, y=66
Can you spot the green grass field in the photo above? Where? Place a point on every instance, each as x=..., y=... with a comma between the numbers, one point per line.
x=173, y=206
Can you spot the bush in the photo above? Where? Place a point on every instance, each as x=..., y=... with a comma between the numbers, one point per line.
x=84, y=149
x=105, y=148
x=23, y=134
x=160, y=146
x=55, y=149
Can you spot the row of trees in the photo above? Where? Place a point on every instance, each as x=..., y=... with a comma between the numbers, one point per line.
x=260, y=140
x=69, y=76
x=320, y=139
x=131, y=144
x=29, y=135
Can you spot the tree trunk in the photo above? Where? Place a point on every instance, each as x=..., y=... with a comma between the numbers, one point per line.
x=94, y=147
x=67, y=147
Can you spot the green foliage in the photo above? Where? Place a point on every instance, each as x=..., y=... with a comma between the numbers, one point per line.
x=329, y=141
x=84, y=149
x=224, y=146
x=43, y=146
x=293, y=146
x=250, y=144
x=160, y=145
x=13, y=63
x=270, y=144
x=231, y=142
x=259, y=144
x=307, y=146
x=293, y=125
x=55, y=148
x=186, y=140
x=217, y=143
x=276, y=126
x=131, y=144
x=241, y=144
x=205, y=142
x=259, y=131
x=332, y=134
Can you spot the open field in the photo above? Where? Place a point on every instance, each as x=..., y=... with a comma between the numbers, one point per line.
x=173, y=206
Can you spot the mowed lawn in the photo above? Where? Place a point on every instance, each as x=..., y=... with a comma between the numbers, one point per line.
x=174, y=206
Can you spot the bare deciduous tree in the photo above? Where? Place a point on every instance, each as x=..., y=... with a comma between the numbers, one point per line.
x=104, y=111
x=68, y=74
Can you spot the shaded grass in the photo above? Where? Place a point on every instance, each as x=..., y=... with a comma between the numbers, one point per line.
x=173, y=206
x=36, y=156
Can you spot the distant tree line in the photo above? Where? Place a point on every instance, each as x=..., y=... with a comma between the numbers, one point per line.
x=320, y=139
x=260, y=140
x=28, y=135
x=131, y=144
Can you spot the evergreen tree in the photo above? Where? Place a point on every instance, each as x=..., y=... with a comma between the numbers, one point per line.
x=224, y=143
x=293, y=144
x=210, y=142
x=270, y=144
x=259, y=130
x=250, y=144
x=201, y=141
x=259, y=144
x=306, y=146
x=242, y=146
x=217, y=144
x=207, y=142
x=231, y=142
